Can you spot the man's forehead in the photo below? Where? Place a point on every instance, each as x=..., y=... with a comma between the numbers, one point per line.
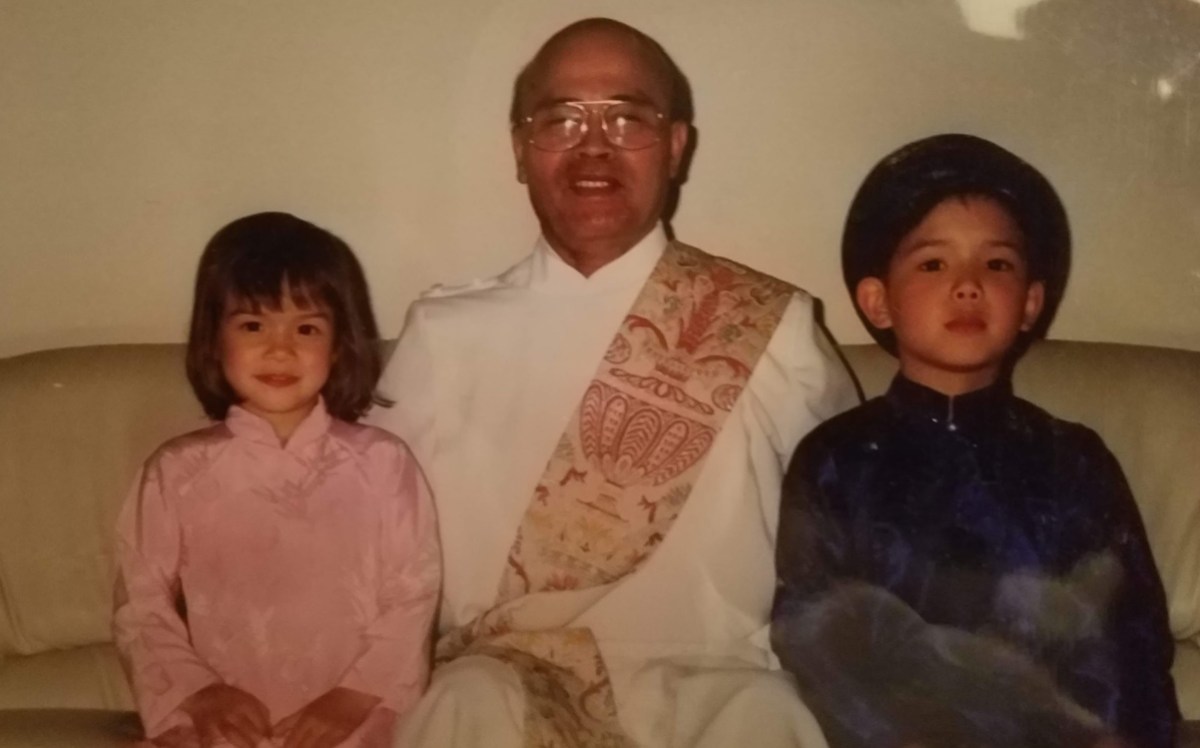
x=599, y=63
x=591, y=35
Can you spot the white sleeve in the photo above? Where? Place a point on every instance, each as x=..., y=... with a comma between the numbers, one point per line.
x=408, y=381
x=798, y=382
x=816, y=381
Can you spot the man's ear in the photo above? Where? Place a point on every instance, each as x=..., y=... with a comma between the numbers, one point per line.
x=678, y=144
x=518, y=146
x=871, y=296
x=1035, y=299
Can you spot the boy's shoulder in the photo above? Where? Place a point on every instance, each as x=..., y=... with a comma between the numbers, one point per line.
x=1041, y=423
x=857, y=427
x=861, y=428
x=855, y=422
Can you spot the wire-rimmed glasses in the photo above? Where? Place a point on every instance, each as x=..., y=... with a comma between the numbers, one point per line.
x=631, y=125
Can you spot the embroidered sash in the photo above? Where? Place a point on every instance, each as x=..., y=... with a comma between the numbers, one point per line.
x=619, y=476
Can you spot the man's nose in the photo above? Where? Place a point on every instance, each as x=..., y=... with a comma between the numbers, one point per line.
x=595, y=140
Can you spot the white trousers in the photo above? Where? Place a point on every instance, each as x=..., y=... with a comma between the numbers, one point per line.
x=477, y=702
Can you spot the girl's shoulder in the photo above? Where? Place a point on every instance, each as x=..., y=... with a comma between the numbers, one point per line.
x=383, y=459
x=185, y=445
x=188, y=455
x=369, y=440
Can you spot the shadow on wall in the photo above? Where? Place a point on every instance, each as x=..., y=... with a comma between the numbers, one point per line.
x=1148, y=50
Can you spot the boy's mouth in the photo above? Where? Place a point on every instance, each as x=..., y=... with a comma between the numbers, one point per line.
x=966, y=324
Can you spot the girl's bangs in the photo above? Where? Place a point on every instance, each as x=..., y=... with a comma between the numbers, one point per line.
x=262, y=284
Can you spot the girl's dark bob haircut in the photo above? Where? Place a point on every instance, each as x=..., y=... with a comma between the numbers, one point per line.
x=253, y=260
x=906, y=185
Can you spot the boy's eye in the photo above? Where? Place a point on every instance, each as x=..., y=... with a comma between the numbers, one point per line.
x=1001, y=264
x=931, y=265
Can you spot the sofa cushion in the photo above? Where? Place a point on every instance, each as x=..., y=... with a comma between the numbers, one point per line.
x=88, y=677
x=1145, y=403
x=77, y=423
x=66, y=728
x=1187, y=681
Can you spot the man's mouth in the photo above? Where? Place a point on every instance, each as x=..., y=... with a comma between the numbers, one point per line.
x=277, y=380
x=594, y=185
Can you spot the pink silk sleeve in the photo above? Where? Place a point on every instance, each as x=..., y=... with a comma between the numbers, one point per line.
x=394, y=664
x=151, y=637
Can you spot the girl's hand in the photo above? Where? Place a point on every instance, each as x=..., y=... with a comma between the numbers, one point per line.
x=326, y=721
x=223, y=711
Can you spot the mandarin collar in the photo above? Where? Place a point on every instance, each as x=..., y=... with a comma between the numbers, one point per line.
x=255, y=428
x=551, y=273
x=970, y=412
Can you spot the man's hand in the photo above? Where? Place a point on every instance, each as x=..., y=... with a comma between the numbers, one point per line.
x=223, y=711
x=326, y=721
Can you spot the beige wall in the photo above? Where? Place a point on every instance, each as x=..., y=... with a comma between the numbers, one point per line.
x=130, y=130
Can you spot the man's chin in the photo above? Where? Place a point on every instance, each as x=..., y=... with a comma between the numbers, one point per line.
x=600, y=231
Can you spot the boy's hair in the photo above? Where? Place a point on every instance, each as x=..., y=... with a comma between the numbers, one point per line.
x=253, y=260
x=907, y=184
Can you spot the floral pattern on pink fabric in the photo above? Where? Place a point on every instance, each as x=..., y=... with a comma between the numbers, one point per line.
x=284, y=570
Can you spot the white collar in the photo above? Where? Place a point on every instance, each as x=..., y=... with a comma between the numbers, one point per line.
x=548, y=271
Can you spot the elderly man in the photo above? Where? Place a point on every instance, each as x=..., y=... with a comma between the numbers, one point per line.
x=604, y=427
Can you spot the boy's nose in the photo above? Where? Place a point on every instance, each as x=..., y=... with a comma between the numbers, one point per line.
x=967, y=289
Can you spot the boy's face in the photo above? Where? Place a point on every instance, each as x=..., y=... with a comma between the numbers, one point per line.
x=957, y=294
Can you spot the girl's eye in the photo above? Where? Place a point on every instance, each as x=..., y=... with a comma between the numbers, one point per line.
x=929, y=266
x=309, y=329
x=250, y=325
x=1000, y=264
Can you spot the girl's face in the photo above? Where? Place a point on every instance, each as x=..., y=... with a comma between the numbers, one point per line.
x=277, y=360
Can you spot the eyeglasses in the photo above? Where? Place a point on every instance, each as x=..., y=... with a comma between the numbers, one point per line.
x=626, y=124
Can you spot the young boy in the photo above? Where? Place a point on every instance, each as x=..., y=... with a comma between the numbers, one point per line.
x=957, y=567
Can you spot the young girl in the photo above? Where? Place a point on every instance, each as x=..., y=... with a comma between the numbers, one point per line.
x=279, y=569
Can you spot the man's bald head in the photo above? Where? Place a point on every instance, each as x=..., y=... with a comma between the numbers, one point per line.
x=656, y=60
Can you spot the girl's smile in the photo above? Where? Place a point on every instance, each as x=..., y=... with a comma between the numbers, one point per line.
x=277, y=380
x=277, y=360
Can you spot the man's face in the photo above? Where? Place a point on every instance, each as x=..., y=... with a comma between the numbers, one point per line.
x=596, y=200
x=957, y=294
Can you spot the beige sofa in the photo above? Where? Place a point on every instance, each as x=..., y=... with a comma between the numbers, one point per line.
x=75, y=424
